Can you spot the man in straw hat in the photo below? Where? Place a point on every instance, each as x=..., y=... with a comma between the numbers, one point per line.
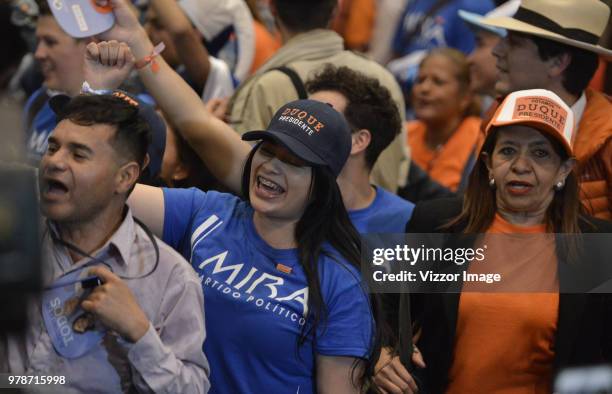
x=483, y=72
x=553, y=44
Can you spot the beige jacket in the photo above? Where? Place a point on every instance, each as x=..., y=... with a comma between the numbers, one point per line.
x=258, y=98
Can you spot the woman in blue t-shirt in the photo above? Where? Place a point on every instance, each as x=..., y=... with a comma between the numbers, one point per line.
x=285, y=306
x=286, y=310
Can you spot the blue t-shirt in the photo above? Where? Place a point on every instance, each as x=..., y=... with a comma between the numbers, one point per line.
x=443, y=29
x=388, y=213
x=43, y=122
x=256, y=297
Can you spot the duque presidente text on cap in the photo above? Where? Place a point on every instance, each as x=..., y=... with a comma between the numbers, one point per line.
x=538, y=108
x=312, y=130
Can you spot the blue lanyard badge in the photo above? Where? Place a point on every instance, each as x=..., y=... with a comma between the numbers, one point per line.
x=73, y=331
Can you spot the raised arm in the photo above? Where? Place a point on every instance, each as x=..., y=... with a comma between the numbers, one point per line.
x=106, y=66
x=189, y=47
x=215, y=142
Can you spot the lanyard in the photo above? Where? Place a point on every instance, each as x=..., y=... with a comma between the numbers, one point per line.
x=92, y=281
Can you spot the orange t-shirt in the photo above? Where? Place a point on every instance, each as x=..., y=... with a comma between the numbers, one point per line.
x=355, y=22
x=266, y=45
x=504, y=342
x=446, y=164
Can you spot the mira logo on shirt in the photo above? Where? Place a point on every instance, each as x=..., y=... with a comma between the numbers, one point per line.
x=251, y=285
x=265, y=291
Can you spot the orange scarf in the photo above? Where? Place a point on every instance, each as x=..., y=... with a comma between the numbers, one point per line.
x=446, y=164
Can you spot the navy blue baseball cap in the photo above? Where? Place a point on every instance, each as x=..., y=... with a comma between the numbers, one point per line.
x=312, y=130
x=147, y=111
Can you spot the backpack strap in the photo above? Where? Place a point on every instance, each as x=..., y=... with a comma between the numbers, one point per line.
x=295, y=79
x=216, y=43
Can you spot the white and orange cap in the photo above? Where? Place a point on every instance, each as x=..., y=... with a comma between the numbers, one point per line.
x=82, y=18
x=538, y=108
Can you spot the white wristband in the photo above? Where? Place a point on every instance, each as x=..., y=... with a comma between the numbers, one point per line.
x=86, y=89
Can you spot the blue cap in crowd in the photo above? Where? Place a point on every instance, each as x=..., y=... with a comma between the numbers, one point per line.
x=149, y=114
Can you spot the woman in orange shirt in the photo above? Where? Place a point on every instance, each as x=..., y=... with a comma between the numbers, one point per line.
x=445, y=137
x=522, y=198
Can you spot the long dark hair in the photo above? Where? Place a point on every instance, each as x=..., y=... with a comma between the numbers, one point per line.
x=325, y=221
x=479, y=204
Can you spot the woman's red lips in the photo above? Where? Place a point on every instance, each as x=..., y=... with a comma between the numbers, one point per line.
x=519, y=187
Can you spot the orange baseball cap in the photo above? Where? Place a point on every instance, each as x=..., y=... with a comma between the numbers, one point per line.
x=538, y=108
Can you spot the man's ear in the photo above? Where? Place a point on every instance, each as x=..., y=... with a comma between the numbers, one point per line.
x=147, y=160
x=127, y=176
x=181, y=172
x=466, y=100
x=360, y=141
x=558, y=64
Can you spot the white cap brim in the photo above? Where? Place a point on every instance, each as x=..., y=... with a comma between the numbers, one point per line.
x=475, y=19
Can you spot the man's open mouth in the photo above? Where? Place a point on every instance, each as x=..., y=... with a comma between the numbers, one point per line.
x=53, y=187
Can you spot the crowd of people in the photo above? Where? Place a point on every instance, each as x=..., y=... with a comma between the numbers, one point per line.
x=206, y=169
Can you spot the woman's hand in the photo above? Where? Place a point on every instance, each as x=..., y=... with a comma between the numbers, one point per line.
x=107, y=64
x=392, y=377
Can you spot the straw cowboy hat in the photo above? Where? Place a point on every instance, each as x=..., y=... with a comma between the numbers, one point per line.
x=508, y=8
x=577, y=23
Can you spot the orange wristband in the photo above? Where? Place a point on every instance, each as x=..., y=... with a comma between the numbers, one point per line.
x=142, y=63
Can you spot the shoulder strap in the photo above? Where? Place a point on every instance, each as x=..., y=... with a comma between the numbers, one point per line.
x=295, y=79
x=216, y=43
x=37, y=103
